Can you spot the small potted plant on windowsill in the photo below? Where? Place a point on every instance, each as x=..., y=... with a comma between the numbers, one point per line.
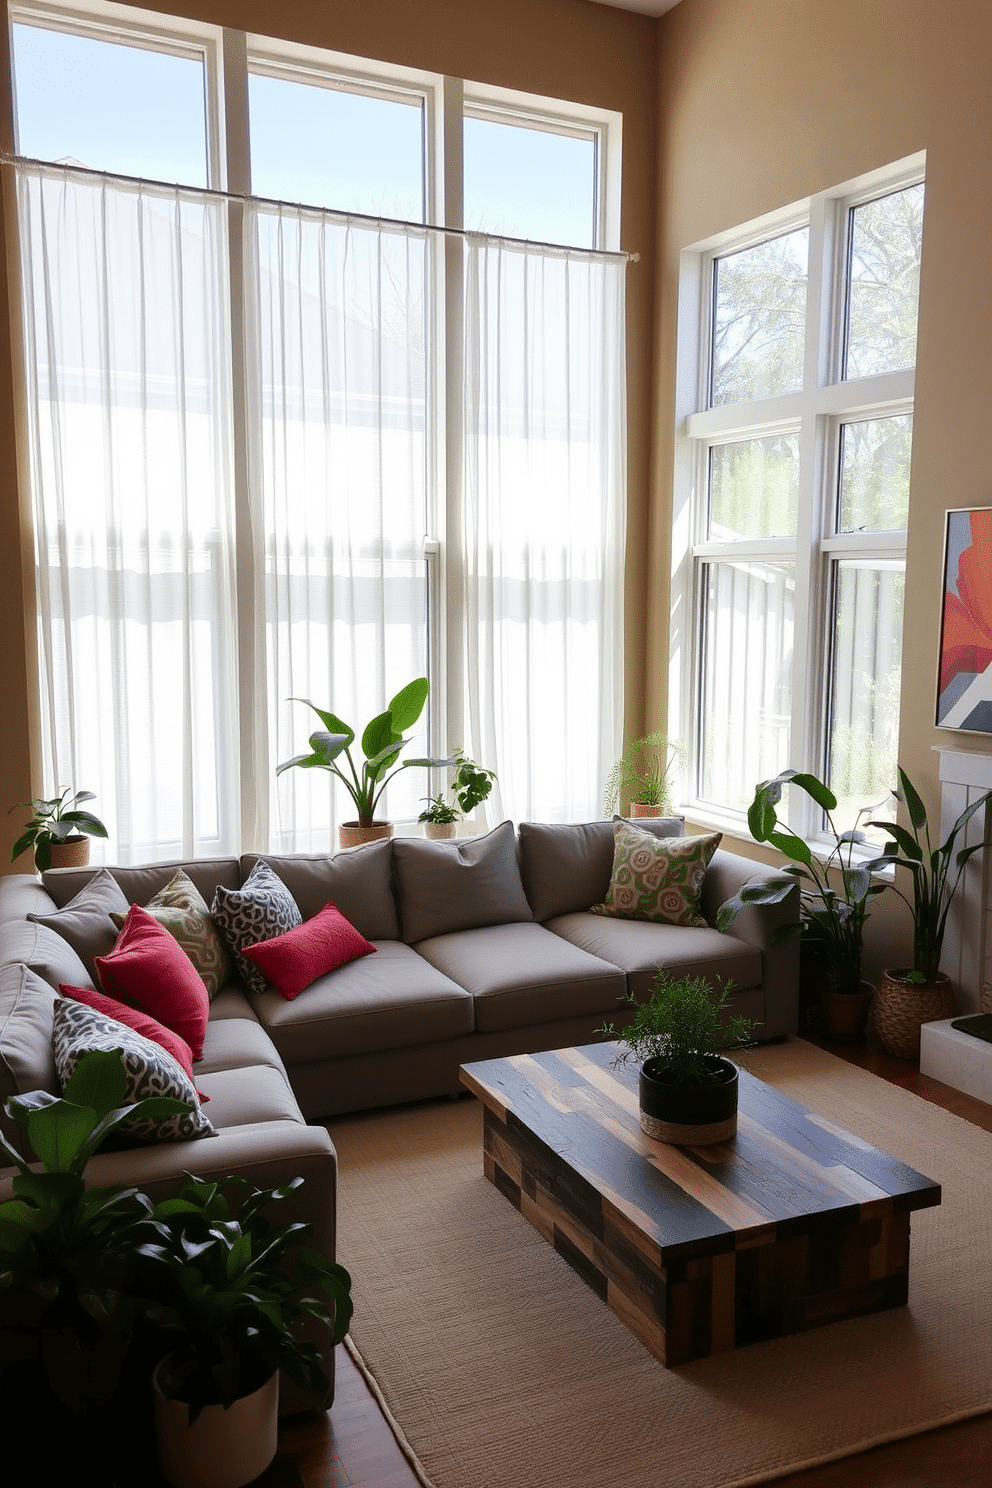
x=641, y=777
x=381, y=744
x=688, y=1090
x=470, y=786
x=59, y=831
x=908, y=997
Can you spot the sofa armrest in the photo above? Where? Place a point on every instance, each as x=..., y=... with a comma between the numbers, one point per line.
x=756, y=924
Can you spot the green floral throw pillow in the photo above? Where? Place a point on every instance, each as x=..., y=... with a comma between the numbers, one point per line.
x=184, y=912
x=657, y=878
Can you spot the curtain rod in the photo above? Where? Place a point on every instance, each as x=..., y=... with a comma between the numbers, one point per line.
x=363, y=218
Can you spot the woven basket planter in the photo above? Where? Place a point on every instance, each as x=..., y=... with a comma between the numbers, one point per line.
x=901, y=1008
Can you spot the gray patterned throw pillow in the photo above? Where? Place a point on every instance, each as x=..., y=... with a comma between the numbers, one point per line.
x=150, y=1070
x=260, y=910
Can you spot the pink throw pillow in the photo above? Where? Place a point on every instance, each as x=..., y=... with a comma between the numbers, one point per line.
x=143, y=1023
x=148, y=969
x=293, y=960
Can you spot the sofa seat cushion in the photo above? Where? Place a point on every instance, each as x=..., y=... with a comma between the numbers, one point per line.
x=231, y=1002
x=520, y=975
x=235, y=1043
x=639, y=947
x=385, y=1001
x=249, y=1095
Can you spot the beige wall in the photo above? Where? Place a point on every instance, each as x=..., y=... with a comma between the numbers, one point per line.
x=561, y=48
x=762, y=102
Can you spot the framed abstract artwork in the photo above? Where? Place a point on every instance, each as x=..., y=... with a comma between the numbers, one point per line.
x=964, y=686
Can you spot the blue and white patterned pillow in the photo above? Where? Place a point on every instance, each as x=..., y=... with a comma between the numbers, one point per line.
x=260, y=910
x=151, y=1070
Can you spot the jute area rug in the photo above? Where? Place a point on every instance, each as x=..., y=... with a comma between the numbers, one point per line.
x=504, y=1370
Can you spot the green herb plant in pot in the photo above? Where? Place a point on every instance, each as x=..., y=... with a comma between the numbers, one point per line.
x=836, y=889
x=59, y=831
x=470, y=786
x=381, y=744
x=641, y=777
x=688, y=1090
x=67, y=1251
x=227, y=1289
x=908, y=997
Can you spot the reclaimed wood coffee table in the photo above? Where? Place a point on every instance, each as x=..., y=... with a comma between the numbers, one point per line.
x=791, y=1224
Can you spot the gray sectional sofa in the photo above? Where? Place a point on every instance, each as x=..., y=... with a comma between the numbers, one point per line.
x=484, y=947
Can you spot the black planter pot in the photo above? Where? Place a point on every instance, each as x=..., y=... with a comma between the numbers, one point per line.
x=689, y=1115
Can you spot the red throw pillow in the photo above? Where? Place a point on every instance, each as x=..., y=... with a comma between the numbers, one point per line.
x=293, y=960
x=143, y=1023
x=148, y=969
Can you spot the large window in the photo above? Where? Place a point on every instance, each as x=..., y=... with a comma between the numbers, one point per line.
x=293, y=438
x=797, y=350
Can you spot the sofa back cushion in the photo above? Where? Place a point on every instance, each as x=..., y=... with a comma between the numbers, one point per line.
x=85, y=921
x=359, y=881
x=458, y=885
x=141, y=884
x=26, y=1060
x=566, y=867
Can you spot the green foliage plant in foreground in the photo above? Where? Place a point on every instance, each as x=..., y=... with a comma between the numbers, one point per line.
x=67, y=1251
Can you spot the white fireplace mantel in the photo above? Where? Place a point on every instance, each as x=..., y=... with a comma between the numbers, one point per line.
x=967, y=958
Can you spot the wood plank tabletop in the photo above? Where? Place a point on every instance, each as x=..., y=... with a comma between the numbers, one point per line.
x=788, y=1169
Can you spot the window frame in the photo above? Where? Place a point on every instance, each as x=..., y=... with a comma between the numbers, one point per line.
x=817, y=411
x=229, y=56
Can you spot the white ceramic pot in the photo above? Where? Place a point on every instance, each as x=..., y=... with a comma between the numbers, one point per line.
x=223, y=1448
x=440, y=831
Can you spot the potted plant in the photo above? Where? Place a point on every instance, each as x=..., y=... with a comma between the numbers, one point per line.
x=227, y=1288
x=67, y=1309
x=640, y=776
x=470, y=786
x=688, y=1091
x=58, y=831
x=381, y=744
x=908, y=997
x=832, y=913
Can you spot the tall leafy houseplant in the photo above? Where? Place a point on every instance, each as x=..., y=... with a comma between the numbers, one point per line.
x=908, y=997
x=67, y=1251
x=226, y=1286
x=936, y=875
x=56, y=821
x=381, y=745
x=832, y=914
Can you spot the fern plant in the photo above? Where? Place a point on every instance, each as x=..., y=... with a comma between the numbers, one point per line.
x=682, y=1025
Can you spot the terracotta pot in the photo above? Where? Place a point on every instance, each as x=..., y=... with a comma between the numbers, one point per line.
x=845, y=1014
x=223, y=1448
x=350, y=834
x=643, y=808
x=689, y=1115
x=902, y=1008
x=74, y=852
x=440, y=831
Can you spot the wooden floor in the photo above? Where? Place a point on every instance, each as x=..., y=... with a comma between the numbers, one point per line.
x=352, y=1446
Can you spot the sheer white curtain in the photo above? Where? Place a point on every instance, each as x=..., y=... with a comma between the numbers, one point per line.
x=340, y=323
x=127, y=355
x=544, y=519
